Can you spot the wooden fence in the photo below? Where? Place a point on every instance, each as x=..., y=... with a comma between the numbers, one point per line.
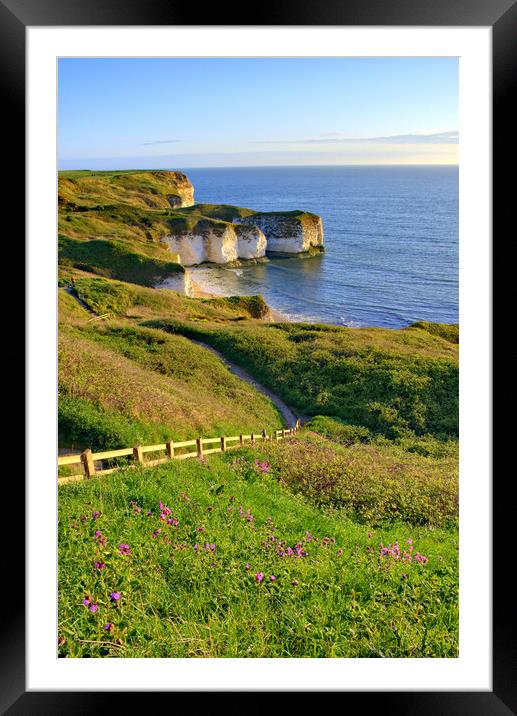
x=87, y=459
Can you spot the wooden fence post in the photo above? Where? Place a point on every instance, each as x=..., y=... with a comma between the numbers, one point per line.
x=223, y=444
x=88, y=464
x=138, y=455
x=252, y=439
x=199, y=443
x=241, y=440
x=283, y=433
x=169, y=446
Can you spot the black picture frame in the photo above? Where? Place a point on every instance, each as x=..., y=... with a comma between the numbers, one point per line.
x=501, y=15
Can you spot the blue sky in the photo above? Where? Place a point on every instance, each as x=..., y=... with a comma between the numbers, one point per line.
x=198, y=112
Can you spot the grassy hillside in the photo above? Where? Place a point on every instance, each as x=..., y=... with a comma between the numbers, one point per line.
x=145, y=189
x=128, y=300
x=116, y=259
x=122, y=385
x=217, y=558
x=391, y=381
x=339, y=542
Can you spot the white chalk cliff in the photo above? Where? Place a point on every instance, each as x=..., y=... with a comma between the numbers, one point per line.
x=290, y=233
x=218, y=243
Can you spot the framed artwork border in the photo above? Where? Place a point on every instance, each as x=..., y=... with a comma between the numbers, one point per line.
x=501, y=15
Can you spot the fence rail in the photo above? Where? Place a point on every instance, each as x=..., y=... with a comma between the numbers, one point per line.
x=87, y=459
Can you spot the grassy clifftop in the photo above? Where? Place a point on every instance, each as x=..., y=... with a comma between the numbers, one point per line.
x=144, y=189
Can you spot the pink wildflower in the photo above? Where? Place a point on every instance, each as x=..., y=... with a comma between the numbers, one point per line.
x=259, y=576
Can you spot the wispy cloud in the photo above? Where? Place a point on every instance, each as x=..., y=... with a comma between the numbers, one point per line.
x=160, y=141
x=451, y=137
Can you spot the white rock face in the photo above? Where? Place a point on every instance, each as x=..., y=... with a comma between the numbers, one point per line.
x=180, y=282
x=287, y=234
x=219, y=247
x=246, y=238
x=251, y=242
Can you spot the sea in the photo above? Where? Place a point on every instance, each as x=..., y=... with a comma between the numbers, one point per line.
x=390, y=236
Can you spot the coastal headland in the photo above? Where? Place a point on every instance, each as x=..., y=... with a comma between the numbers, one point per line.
x=145, y=225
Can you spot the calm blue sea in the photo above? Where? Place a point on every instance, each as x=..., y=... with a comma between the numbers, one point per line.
x=391, y=240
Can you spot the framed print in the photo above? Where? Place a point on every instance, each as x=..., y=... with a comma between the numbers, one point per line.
x=128, y=192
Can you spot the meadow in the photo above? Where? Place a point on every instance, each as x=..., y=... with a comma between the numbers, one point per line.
x=219, y=558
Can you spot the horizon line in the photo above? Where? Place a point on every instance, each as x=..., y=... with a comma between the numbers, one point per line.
x=260, y=166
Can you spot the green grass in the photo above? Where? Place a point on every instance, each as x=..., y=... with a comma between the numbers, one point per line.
x=224, y=212
x=136, y=302
x=140, y=188
x=449, y=331
x=342, y=599
x=375, y=483
x=130, y=382
x=114, y=259
x=393, y=382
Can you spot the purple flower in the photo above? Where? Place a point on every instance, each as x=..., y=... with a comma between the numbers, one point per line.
x=259, y=576
x=95, y=515
x=86, y=602
x=200, y=529
x=272, y=578
x=173, y=521
x=421, y=559
x=196, y=547
x=155, y=534
x=248, y=565
x=115, y=596
x=124, y=549
x=108, y=626
x=93, y=607
x=100, y=565
x=340, y=552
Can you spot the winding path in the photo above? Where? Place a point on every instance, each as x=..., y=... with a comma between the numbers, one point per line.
x=289, y=415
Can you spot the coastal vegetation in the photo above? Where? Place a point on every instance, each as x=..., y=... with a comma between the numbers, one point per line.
x=218, y=558
x=341, y=541
x=394, y=382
